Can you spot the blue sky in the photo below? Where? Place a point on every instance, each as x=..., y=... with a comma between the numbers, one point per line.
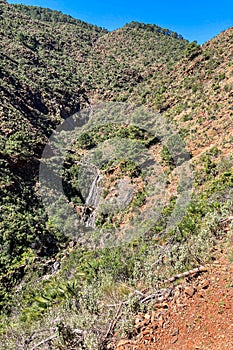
x=197, y=20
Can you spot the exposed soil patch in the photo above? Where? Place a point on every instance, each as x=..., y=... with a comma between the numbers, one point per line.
x=198, y=314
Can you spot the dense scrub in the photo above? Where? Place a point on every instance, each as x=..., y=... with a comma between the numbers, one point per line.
x=51, y=67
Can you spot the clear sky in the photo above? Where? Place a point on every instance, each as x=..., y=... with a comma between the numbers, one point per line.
x=197, y=20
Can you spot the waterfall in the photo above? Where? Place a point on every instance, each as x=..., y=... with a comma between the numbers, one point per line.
x=92, y=198
x=92, y=202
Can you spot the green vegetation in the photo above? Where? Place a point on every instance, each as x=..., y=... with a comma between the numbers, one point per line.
x=192, y=50
x=51, y=66
x=47, y=15
x=89, y=280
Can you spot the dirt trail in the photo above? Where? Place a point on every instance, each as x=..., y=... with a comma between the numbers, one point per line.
x=199, y=315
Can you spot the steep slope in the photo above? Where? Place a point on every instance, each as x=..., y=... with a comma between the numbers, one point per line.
x=206, y=93
x=194, y=314
x=197, y=94
x=59, y=293
x=51, y=66
x=40, y=85
x=128, y=56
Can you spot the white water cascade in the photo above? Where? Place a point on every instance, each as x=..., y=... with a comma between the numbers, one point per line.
x=92, y=201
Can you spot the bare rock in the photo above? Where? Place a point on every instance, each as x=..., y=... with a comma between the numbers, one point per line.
x=189, y=290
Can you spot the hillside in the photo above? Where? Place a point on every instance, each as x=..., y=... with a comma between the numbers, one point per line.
x=37, y=91
x=128, y=56
x=60, y=291
x=198, y=93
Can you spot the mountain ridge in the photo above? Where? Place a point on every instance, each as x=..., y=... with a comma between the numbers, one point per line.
x=51, y=70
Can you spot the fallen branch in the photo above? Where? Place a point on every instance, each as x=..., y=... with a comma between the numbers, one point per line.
x=159, y=296
x=113, y=323
x=223, y=221
x=44, y=341
x=163, y=294
x=36, y=334
x=185, y=274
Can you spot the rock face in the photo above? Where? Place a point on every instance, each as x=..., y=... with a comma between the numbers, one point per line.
x=126, y=192
x=122, y=194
